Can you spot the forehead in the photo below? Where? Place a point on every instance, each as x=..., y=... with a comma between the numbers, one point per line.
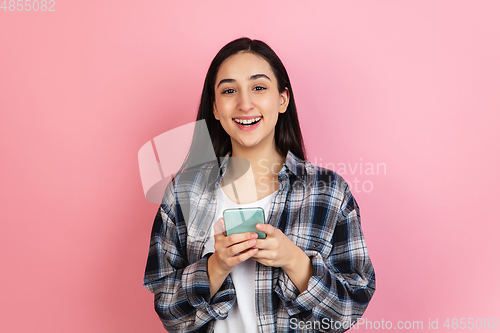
x=243, y=65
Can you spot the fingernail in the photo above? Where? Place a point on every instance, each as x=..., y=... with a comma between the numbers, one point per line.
x=252, y=242
x=254, y=236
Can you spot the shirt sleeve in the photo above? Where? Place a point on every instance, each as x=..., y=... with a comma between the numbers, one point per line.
x=182, y=290
x=342, y=284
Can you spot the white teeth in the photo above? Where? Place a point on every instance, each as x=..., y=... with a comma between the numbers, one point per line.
x=246, y=121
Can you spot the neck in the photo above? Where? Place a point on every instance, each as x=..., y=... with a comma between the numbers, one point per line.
x=265, y=161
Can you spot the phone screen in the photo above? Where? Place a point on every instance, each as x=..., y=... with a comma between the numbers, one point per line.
x=240, y=220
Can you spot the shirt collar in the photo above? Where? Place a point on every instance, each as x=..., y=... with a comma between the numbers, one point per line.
x=295, y=165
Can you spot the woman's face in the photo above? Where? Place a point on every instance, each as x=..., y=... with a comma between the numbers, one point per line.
x=247, y=100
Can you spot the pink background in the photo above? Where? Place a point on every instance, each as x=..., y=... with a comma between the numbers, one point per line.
x=412, y=85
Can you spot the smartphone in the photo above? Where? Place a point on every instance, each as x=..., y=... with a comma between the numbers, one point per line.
x=240, y=220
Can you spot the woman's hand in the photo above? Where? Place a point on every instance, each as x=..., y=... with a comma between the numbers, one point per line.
x=229, y=252
x=277, y=250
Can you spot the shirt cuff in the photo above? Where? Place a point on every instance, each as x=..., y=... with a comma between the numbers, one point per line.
x=296, y=302
x=197, y=288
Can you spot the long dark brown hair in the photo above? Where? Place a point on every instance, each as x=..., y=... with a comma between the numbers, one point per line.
x=287, y=134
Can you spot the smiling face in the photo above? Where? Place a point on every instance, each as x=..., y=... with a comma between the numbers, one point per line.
x=247, y=101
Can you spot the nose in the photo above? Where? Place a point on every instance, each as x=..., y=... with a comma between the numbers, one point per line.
x=245, y=102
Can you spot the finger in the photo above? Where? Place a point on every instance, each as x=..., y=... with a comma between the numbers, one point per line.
x=266, y=228
x=243, y=256
x=238, y=238
x=219, y=226
x=265, y=255
x=241, y=247
x=263, y=244
x=249, y=249
x=264, y=262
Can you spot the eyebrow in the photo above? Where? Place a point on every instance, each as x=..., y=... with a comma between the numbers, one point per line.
x=253, y=77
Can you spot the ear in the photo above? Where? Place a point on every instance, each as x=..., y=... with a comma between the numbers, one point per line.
x=284, y=100
x=216, y=113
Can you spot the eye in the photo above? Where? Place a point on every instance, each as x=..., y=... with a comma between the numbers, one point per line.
x=260, y=88
x=228, y=91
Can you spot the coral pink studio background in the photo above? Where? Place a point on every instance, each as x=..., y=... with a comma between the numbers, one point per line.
x=412, y=86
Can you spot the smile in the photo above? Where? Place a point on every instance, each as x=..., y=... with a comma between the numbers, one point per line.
x=247, y=122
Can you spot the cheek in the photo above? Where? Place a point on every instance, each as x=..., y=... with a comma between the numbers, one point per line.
x=272, y=104
x=223, y=107
x=272, y=108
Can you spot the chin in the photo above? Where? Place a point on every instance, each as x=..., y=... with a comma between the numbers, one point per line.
x=249, y=143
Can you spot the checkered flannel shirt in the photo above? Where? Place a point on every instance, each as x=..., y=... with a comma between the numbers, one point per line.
x=313, y=207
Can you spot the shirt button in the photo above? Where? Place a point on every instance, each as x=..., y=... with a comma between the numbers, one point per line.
x=202, y=233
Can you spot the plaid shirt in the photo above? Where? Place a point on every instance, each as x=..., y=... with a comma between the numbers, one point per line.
x=313, y=207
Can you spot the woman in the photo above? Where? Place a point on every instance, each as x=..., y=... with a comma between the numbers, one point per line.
x=312, y=271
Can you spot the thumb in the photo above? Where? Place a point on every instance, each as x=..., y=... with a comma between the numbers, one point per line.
x=265, y=228
x=219, y=226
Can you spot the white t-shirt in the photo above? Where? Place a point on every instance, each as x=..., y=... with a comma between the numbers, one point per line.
x=242, y=317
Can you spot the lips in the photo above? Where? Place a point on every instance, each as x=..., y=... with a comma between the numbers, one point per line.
x=247, y=120
x=247, y=123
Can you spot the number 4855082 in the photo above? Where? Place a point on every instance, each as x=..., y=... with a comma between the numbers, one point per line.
x=29, y=5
